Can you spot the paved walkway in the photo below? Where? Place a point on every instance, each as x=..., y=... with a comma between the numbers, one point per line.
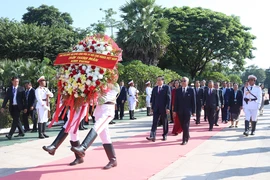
x=227, y=155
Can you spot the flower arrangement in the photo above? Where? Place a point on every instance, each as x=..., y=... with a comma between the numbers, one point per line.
x=80, y=83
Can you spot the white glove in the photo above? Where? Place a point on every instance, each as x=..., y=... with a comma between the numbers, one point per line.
x=47, y=108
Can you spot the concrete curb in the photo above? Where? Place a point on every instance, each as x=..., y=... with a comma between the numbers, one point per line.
x=59, y=123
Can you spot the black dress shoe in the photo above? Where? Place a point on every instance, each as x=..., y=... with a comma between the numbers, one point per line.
x=164, y=138
x=210, y=129
x=184, y=143
x=151, y=139
x=19, y=135
x=121, y=118
x=8, y=136
x=216, y=125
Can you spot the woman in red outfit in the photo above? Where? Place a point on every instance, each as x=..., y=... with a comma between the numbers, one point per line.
x=177, y=129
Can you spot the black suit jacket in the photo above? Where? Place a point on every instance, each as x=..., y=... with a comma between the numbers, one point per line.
x=30, y=102
x=161, y=100
x=21, y=101
x=123, y=95
x=185, y=102
x=199, y=96
x=239, y=98
x=221, y=97
x=211, y=101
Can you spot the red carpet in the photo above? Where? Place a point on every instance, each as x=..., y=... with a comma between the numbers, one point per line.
x=138, y=159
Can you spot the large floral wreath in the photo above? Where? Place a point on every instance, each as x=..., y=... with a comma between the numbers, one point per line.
x=80, y=83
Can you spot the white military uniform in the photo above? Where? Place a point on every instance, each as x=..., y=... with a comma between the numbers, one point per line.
x=41, y=106
x=104, y=113
x=74, y=136
x=148, y=92
x=132, y=100
x=251, y=108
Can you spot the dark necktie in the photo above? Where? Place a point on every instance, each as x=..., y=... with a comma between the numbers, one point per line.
x=158, y=89
x=184, y=91
x=210, y=92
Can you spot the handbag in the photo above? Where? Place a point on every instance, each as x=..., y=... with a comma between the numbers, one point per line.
x=266, y=102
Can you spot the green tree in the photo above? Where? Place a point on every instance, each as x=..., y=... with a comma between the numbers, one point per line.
x=215, y=76
x=23, y=41
x=254, y=70
x=47, y=16
x=140, y=73
x=109, y=21
x=235, y=79
x=199, y=36
x=144, y=34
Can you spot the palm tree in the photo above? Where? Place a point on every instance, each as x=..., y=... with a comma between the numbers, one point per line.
x=144, y=34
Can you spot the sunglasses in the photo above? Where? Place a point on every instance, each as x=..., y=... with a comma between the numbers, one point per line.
x=183, y=81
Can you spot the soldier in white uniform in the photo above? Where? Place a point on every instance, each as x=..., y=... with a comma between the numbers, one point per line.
x=132, y=99
x=252, y=99
x=74, y=136
x=43, y=107
x=148, y=92
x=104, y=113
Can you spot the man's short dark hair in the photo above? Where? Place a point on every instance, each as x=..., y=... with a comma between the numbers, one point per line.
x=162, y=78
x=14, y=77
x=28, y=82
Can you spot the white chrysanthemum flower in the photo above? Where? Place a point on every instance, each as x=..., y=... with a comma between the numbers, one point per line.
x=81, y=47
x=109, y=48
x=88, y=82
x=102, y=48
x=76, y=95
x=95, y=78
x=83, y=95
x=100, y=76
x=93, y=84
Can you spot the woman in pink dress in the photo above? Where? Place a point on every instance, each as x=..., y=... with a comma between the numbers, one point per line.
x=177, y=129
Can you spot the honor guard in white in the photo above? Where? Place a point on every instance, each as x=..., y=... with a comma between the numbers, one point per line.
x=252, y=99
x=103, y=113
x=43, y=107
x=132, y=99
x=148, y=92
x=74, y=136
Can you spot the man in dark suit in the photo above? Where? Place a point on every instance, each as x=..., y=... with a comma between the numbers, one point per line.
x=16, y=97
x=204, y=88
x=30, y=105
x=226, y=95
x=184, y=106
x=216, y=85
x=122, y=98
x=161, y=102
x=211, y=103
x=199, y=101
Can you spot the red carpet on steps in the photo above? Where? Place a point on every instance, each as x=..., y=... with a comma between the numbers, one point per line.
x=137, y=158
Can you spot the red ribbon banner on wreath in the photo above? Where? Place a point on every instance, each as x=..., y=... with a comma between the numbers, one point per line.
x=104, y=61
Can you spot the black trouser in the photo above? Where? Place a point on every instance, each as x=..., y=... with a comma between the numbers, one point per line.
x=225, y=113
x=30, y=113
x=164, y=119
x=211, y=113
x=91, y=112
x=16, y=123
x=198, y=113
x=184, y=118
x=120, y=107
x=216, y=116
x=171, y=114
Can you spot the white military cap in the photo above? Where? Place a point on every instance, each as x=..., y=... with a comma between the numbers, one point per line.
x=42, y=78
x=130, y=82
x=148, y=82
x=252, y=77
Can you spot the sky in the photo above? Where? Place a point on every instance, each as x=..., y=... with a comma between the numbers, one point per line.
x=252, y=13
